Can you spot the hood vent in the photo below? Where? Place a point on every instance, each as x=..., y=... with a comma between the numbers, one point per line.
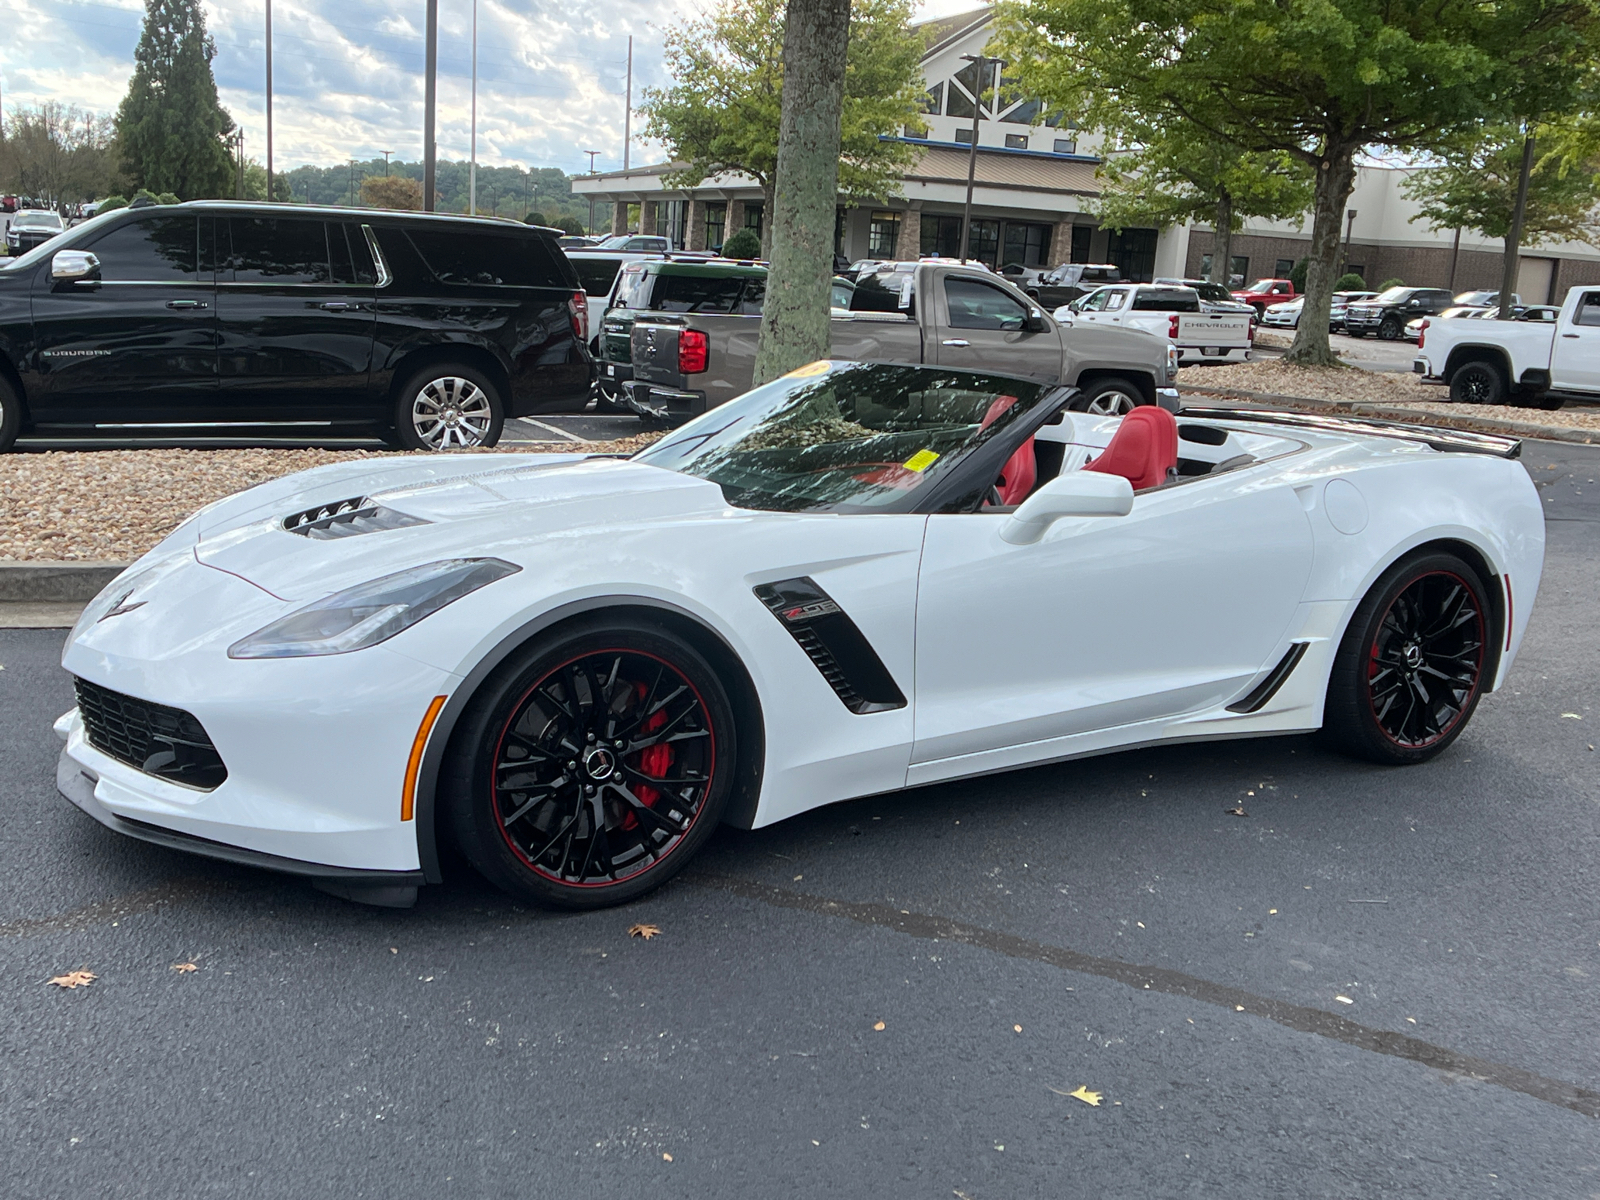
x=347, y=518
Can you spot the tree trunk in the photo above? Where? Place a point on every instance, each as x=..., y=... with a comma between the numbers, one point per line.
x=1513, y=251
x=794, y=320
x=766, y=218
x=1335, y=181
x=1222, y=241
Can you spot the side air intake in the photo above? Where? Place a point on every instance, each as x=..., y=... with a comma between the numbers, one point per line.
x=832, y=642
x=1276, y=678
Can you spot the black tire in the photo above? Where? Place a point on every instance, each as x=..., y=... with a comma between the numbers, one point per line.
x=1390, y=330
x=1355, y=333
x=1548, y=402
x=1478, y=383
x=531, y=832
x=1420, y=636
x=1110, y=397
x=447, y=405
x=10, y=415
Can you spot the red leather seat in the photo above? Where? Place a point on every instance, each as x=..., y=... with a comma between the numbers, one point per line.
x=1021, y=471
x=1143, y=450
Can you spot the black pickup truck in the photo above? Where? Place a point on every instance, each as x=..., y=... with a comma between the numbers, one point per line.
x=211, y=318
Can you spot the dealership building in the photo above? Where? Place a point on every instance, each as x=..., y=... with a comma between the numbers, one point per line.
x=1033, y=202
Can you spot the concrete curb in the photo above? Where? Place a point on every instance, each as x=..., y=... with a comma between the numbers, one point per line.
x=56, y=582
x=1527, y=429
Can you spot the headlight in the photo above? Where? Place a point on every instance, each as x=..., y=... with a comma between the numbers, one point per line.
x=371, y=613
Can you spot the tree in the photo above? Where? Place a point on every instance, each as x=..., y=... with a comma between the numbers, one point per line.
x=1475, y=187
x=170, y=126
x=1171, y=173
x=1319, y=80
x=743, y=243
x=57, y=151
x=722, y=114
x=391, y=191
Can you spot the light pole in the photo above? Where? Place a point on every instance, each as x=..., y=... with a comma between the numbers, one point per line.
x=1349, y=228
x=627, y=112
x=239, y=141
x=982, y=62
x=269, y=101
x=386, y=154
x=430, y=95
x=589, y=228
x=472, y=169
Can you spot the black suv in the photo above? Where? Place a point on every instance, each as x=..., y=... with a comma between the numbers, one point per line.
x=212, y=317
x=1387, y=313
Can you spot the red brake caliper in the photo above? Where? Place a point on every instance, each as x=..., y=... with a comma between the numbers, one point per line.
x=653, y=761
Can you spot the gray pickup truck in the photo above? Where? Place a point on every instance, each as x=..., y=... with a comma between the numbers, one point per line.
x=935, y=313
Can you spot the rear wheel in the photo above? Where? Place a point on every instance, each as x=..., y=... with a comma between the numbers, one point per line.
x=1410, y=669
x=1108, y=398
x=590, y=770
x=446, y=406
x=1478, y=383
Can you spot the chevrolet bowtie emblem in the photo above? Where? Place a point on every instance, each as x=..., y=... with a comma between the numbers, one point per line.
x=122, y=606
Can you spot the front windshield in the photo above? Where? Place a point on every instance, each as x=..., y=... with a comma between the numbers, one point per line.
x=845, y=437
x=75, y=236
x=615, y=241
x=1261, y=285
x=37, y=220
x=1393, y=295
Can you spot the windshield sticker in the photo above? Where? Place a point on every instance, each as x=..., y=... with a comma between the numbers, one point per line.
x=920, y=461
x=821, y=367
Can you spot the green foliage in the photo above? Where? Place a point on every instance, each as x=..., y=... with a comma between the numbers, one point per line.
x=536, y=218
x=722, y=112
x=58, y=151
x=1350, y=282
x=1297, y=274
x=1171, y=173
x=111, y=204
x=742, y=243
x=1389, y=283
x=511, y=189
x=1475, y=184
x=170, y=126
x=569, y=224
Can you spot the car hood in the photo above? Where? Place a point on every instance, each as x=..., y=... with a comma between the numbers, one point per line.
x=498, y=509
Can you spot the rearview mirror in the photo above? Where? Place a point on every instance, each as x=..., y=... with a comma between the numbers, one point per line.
x=74, y=265
x=1076, y=494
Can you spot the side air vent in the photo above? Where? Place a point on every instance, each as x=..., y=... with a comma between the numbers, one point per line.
x=832, y=642
x=347, y=518
x=1276, y=678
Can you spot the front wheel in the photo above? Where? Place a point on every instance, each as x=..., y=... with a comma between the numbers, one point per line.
x=448, y=405
x=1390, y=330
x=1108, y=398
x=590, y=769
x=1478, y=383
x=1410, y=669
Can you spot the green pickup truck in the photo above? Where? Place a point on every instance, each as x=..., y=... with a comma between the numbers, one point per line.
x=692, y=346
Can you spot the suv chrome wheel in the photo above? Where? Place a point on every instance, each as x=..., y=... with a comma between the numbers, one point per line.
x=451, y=411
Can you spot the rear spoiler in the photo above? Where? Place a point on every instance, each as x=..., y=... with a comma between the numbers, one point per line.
x=1450, y=441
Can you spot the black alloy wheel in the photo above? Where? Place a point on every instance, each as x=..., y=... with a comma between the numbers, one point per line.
x=1411, y=667
x=1390, y=330
x=1478, y=383
x=591, y=771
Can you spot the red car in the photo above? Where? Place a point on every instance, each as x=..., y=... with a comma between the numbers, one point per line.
x=1267, y=291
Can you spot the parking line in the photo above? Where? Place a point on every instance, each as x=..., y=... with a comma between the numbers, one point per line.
x=561, y=433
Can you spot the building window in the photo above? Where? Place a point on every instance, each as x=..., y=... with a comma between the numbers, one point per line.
x=920, y=134
x=1016, y=141
x=1066, y=145
x=716, y=225
x=752, y=216
x=1027, y=244
x=840, y=228
x=983, y=243
x=1080, y=242
x=1241, y=265
x=1023, y=114
x=883, y=235
x=941, y=236
x=933, y=100
x=1356, y=269
x=1282, y=268
x=964, y=135
x=1134, y=253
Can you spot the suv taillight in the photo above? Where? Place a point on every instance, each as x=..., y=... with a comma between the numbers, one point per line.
x=1172, y=327
x=578, y=306
x=1422, y=333
x=694, y=352
x=1252, y=325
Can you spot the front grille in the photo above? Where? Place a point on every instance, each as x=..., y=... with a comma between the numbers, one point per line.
x=166, y=742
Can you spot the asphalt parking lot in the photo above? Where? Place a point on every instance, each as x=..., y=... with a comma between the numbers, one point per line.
x=1375, y=982
x=1368, y=353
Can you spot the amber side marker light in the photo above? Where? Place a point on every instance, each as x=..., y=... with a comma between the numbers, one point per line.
x=408, y=795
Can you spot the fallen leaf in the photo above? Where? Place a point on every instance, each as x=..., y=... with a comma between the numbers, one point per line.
x=1016, y=1028
x=1571, y=717
x=1344, y=1000
x=394, y=949
x=1272, y=912
x=1236, y=812
x=879, y=1027
x=74, y=979
x=643, y=931
x=666, y=1156
x=184, y=968
x=1413, y=1020
x=1081, y=1092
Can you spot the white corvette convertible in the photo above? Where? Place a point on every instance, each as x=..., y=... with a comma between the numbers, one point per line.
x=855, y=579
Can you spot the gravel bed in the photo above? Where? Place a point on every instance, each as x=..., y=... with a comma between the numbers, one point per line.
x=113, y=505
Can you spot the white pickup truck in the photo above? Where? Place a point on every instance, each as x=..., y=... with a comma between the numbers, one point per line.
x=1527, y=363
x=1171, y=312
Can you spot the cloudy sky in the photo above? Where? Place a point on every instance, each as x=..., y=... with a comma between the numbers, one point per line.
x=348, y=75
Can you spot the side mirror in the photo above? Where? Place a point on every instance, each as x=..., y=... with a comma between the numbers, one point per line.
x=1064, y=314
x=1035, y=322
x=74, y=265
x=1075, y=494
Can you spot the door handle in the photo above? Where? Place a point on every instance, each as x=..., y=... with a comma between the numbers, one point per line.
x=186, y=304
x=955, y=342
x=1571, y=335
x=334, y=306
